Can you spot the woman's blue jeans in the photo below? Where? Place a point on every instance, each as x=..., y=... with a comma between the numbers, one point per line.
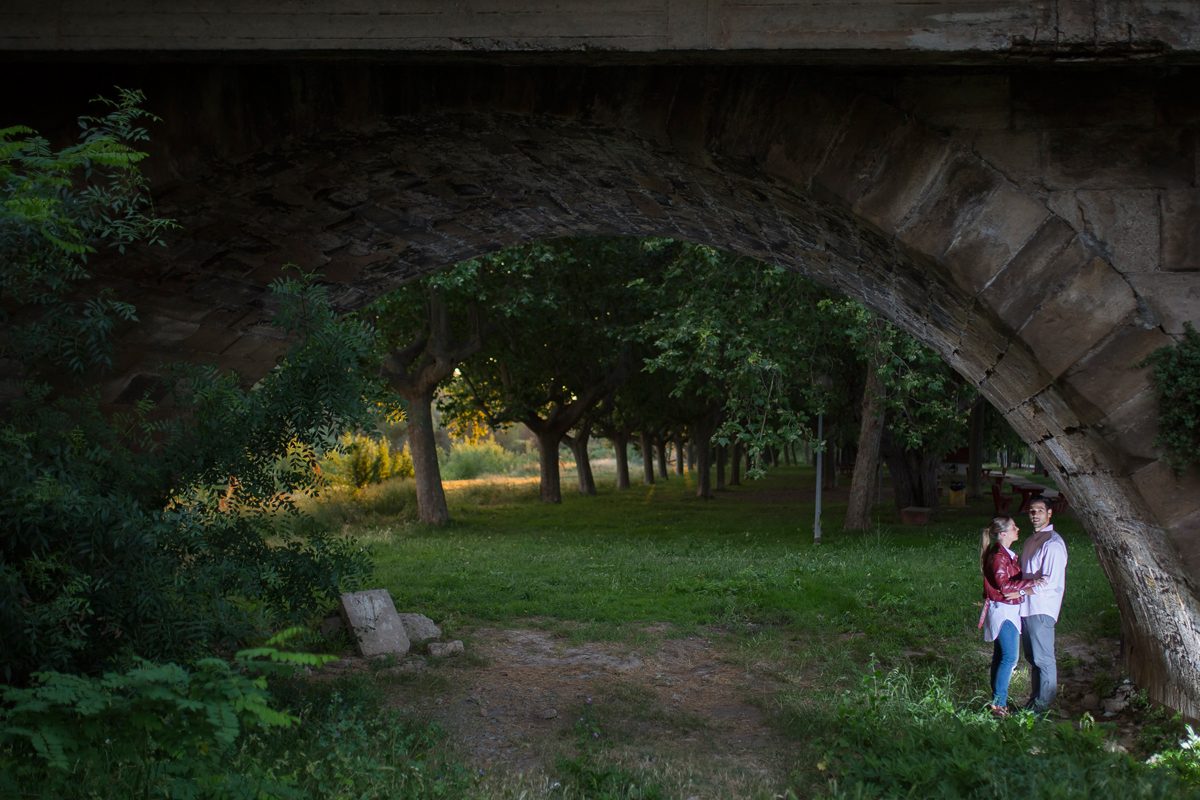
x=1005, y=651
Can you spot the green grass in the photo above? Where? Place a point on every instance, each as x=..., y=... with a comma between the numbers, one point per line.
x=872, y=637
x=657, y=554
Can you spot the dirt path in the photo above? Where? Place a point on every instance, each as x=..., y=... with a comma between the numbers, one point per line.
x=523, y=699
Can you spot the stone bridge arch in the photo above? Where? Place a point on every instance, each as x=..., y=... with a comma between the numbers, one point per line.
x=995, y=244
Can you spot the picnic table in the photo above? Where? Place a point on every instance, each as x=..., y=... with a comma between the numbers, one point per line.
x=1027, y=489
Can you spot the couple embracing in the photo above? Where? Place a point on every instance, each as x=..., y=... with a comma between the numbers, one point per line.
x=1022, y=598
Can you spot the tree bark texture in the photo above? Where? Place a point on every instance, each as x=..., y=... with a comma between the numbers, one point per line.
x=647, y=459
x=427, y=475
x=621, y=449
x=549, y=480
x=700, y=444
x=660, y=447
x=722, y=454
x=735, y=465
x=866, y=463
x=414, y=372
x=975, y=449
x=680, y=454
x=914, y=475
x=583, y=463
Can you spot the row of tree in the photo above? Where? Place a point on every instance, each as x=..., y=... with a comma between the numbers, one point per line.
x=646, y=342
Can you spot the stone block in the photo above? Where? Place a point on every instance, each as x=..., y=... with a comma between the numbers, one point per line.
x=419, y=628
x=954, y=201
x=1110, y=375
x=957, y=102
x=446, y=649
x=1015, y=378
x=1172, y=297
x=1173, y=498
x=868, y=152
x=1007, y=220
x=915, y=157
x=1063, y=100
x=1016, y=154
x=1122, y=225
x=808, y=125
x=1181, y=230
x=1076, y=315
x=1100, y=158
x=1131, y=429
x=1053, y=252
x=372, y=617
x=857, y=157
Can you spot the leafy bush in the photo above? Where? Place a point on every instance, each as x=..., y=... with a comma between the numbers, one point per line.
x=126, y=534
x=391, y=502
x=1177, y=380
x=897, y=738
x=360, y=460
x=473, y=459
x=154, y=730
x=349, y=744
x=1183, y=760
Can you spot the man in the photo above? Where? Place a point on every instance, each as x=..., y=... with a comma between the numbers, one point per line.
x=1044, y=555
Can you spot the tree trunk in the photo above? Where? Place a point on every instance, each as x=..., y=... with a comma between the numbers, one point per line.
x=975, y=450
x=701, y=445
x=549, y=482
x=721, y=457
x=787, y=455
x=866, y=463
x=427, y=475
x=735, y=465
x=621, y=448
x=647, y=460
x=914, y=475
x=583, y=464
x=660, y=445
x=680, y=454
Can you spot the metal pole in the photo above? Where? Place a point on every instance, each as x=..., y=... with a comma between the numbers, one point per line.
x=820, y=479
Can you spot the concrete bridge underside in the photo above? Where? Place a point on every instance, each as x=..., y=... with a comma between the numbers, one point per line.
x=1037, y=226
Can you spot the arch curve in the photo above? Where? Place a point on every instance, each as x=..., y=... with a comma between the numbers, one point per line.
x=858, y=192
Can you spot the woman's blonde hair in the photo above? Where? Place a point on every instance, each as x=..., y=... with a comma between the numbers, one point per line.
x=990, y=537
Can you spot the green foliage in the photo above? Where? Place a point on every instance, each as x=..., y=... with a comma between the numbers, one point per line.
x=739, y=336
x=1183, y=760
x=361, y=459
x=926, y=402
x=125, y=534
x=349, y=745
x=901, y=738
x=158, y=730
x=474, y=459
x=1176, y=376
x=57, y=208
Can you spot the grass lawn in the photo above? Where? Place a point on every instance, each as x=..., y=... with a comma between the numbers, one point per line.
x=861, y=652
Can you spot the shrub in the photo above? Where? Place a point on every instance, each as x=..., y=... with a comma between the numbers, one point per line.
x=350, y=744
x=153, y=730
x=471, y=460
x=122, y=534
x=1176, y=375
x=900, y=738
x=360, y=460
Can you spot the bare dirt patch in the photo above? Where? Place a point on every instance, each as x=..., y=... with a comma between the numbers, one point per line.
x=523, y=698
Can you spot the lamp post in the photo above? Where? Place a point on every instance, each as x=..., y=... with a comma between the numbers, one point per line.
x=825, y=383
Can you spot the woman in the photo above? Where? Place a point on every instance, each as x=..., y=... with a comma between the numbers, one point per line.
x=1003, y=588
